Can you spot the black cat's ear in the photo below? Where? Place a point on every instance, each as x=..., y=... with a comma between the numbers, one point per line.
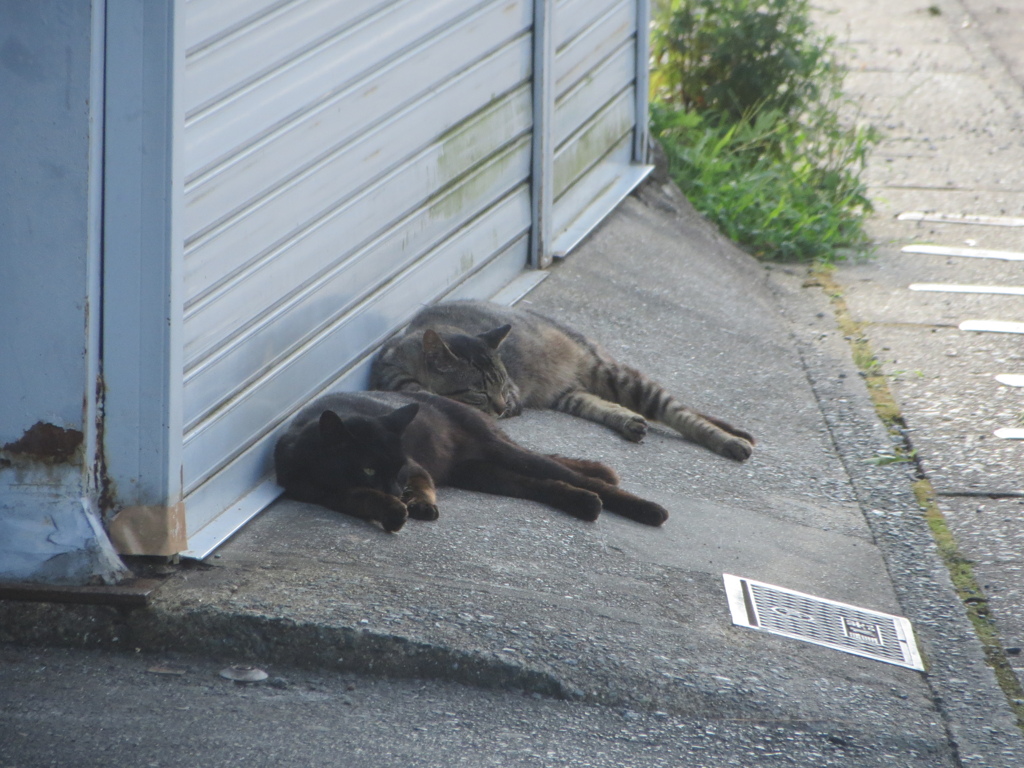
x=493, y=338
x=438, y=354
x=333, y=429
x=397, y=421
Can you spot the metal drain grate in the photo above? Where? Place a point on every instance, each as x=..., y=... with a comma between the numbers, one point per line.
x=817, y=620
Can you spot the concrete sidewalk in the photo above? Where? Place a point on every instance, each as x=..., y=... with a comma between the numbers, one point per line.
x=503, y=593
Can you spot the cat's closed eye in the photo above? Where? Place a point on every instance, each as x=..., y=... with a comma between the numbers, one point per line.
x=475, y=399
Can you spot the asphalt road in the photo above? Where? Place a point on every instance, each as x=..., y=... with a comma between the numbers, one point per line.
x=83, y=709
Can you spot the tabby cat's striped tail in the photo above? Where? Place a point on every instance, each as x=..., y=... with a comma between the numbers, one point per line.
x=631, y=389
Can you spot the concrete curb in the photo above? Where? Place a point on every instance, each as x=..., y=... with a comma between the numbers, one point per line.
x=267, y=640
x=982, y=725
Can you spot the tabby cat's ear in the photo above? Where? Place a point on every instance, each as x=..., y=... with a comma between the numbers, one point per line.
x=397, y=421
x=438, y=354
x=493, y=338
x=333, y=429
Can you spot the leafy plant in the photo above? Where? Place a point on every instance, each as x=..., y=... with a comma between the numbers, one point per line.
x=729, y=57
x=746, y=100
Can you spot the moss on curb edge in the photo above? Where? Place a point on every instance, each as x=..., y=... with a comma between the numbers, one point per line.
x=960, y=568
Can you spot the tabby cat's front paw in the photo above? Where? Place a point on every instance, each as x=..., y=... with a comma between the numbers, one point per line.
x=737, y=449
x=513, y=406
x=634, y=428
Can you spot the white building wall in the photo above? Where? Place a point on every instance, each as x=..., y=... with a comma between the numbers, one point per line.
x=50, y=54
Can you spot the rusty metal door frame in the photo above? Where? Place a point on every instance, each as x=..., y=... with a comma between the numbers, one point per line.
x=142, y=261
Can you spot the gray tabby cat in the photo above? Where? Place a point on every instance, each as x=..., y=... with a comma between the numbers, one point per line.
x=500, y=359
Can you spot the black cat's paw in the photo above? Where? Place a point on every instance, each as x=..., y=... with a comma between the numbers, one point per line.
x=589, y=468
x=634, y=428
x=650, y=513
x=422, y=510
x=392, y=515
x=585, y=505
x=602, y=472
x=736, y=448
x=420, y=505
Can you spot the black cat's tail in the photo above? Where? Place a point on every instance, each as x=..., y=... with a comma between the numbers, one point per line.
x=488, y=477
x=541, y=478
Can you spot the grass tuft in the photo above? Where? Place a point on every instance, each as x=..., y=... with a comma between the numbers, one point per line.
x=746, y=100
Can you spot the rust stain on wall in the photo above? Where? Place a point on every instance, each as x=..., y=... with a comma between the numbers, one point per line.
x=46, y=442
x=107, y=491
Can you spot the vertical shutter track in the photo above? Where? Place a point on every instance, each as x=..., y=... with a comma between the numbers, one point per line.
x=595, y=113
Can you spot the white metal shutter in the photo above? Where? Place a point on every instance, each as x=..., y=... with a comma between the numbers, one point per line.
x=600, y=83
x=346, y=162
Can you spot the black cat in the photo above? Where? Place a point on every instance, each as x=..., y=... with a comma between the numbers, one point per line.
x=379, y=455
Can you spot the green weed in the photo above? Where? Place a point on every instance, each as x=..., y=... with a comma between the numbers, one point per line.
x=960, y=568
x=965, y=583
x=746, y=101
x=898, y=456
